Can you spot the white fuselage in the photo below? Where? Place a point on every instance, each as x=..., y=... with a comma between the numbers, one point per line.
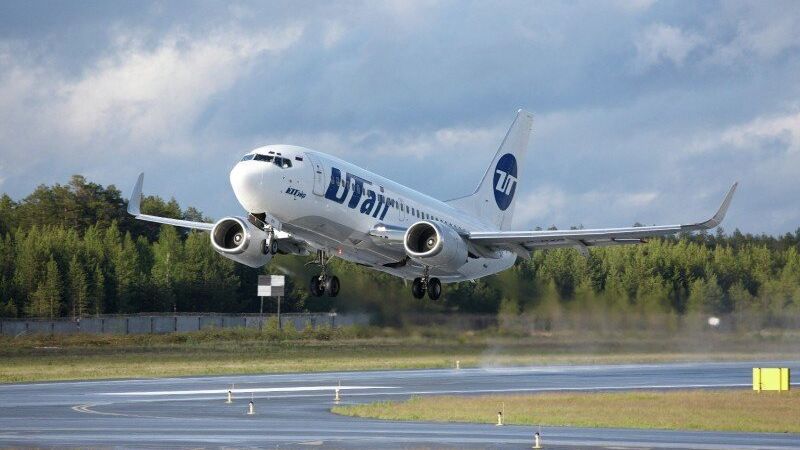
x=333, y=205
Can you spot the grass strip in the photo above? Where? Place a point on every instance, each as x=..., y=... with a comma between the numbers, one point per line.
x=222, y=352
x=707, y=410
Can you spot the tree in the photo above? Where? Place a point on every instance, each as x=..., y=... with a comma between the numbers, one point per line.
x=8, y=309
x=705, y=296
x=167, y=257
x=740, y=298
x=78, y=289
x=7, y=210
x=46, y=300
x=97, y=294
x=126, y=275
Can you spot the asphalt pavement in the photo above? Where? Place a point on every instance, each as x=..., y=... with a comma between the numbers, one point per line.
x=293, y=410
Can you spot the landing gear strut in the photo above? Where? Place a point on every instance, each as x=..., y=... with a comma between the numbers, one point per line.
x=426, y=284
x=322, y=283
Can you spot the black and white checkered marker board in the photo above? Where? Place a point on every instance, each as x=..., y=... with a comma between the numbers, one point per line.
x=271, y=285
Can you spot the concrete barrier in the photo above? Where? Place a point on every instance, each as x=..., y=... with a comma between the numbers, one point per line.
x=185, y=324
x=115, y=325
x=256, y=323
x=141, y=324
x=40, y=327
x=14, y=328
x=210, y=322
x=93, y=325
x=233, y=322
x=164, y=324
x=62, y=327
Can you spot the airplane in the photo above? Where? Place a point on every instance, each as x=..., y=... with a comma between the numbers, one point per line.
x=300, y=201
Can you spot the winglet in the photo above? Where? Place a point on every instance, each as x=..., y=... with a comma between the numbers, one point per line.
x=720, y=215
x=135, y=202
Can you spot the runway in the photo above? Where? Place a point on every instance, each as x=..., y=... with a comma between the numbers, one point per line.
x=292, y=410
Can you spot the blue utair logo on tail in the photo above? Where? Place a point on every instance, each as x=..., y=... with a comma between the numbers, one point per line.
x=505, y=181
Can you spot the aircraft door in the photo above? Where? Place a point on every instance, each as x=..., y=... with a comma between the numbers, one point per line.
x=319, y=174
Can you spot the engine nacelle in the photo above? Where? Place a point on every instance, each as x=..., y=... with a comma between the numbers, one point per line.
x=435, y=244
x=238, y=239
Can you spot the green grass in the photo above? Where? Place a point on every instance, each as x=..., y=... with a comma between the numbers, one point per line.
x=724, y=410
x=218, y=352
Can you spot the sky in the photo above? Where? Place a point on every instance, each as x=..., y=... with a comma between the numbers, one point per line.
x=644, y=111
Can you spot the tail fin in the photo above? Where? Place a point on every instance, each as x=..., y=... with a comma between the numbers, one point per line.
x=493, y=201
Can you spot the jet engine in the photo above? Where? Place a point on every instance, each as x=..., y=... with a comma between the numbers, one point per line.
x=237, y=239
x=435, y=244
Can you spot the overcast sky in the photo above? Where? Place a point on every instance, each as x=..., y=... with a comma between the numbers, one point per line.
x=645, y=111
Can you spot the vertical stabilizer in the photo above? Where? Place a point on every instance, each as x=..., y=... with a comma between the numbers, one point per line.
x=494, y=199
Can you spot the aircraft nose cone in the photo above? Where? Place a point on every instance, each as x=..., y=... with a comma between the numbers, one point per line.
x=247, y=180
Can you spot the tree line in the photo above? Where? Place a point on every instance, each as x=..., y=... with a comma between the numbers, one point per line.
x=72, y=250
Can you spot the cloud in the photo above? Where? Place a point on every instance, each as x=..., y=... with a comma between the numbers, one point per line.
x=550, y=205
x=765, y=132
x=745, y=31
x=135, y=96
x=332, y=34
x=155, y=95
x=660, y=43
x=634, y=6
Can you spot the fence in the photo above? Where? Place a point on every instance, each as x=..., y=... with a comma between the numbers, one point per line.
x=182, y=323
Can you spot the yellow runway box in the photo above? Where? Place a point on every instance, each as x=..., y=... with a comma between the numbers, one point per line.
x=771, y=379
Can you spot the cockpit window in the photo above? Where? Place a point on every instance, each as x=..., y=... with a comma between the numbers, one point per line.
x=283, y=163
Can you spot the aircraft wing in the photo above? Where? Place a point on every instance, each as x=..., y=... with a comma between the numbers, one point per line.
x=134, y=209
x=523, y=242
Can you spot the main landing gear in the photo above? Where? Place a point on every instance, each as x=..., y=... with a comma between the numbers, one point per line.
x=426, y=284
x=322, y=283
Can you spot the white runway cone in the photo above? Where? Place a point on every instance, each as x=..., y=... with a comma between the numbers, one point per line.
x=251, y=408
x=458, y=365
x=230, y=395
x=537, y=440
x=499, y=419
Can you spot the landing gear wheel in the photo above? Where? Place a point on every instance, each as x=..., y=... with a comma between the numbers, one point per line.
x=273, y=246
x=418, y=288
x=316, y=287
x=434, y=289
x=332, y=286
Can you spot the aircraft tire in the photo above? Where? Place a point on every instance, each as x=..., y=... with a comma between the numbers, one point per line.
x=434, y=289
x=273, y=246
x=332, y=286
x=417, y=289
x=315, y=287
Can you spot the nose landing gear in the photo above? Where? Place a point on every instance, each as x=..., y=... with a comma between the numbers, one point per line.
x=322, y=283
x=426, y=284
x=269, y=246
